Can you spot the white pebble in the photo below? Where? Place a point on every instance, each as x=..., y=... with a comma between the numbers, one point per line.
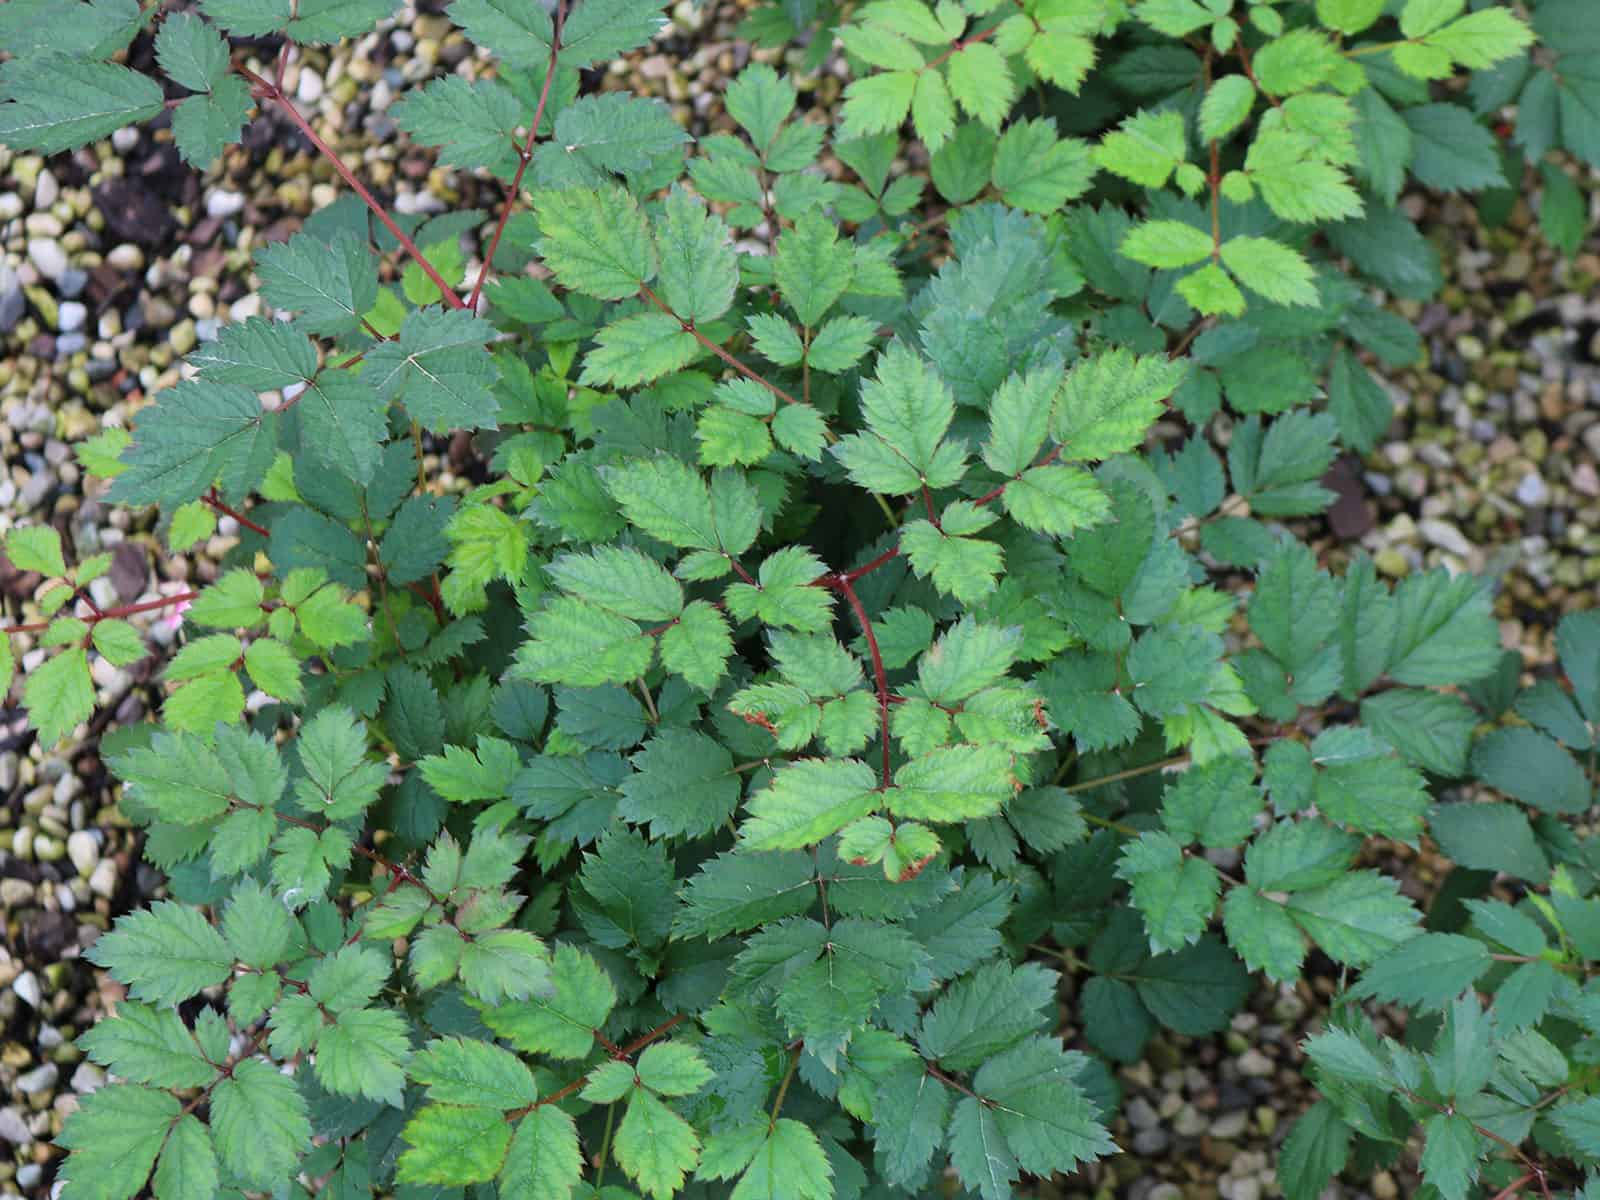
x=83, y=848
x=223, y=204
x=125, y=139
x=48, y=256
x=10, y=206
x=46, y=192
x=1532, y=490
x=26, y=986
x=310, y=89
x=39, y=1079
x=71, y=316
x=103, y=879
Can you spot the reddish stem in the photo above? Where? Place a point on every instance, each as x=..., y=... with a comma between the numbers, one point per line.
x=869, y=568
x=845, y=588
x=271, y=91
x=1514, y=1187
x=212, y=500
x=525, y=156
x=992, y=496
x=111, y=613
x=688, y=327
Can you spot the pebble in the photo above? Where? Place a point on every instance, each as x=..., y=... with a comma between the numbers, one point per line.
x=1532, y=490
x=13, y=1128
x=10, y=206
x=13, y=303
x=26, y=986
x=29, y=1174
x=72, y=282
x=224, y=203
x=1232, y=1124
x=126, y=257
x=83, y=848
x=47, y=255
x=1445, y=536
x=103, y=879
x=71, y=316
x=1254, y=1064
x=40, y=1079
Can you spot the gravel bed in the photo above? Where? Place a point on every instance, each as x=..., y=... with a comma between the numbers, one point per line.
x=118, y=260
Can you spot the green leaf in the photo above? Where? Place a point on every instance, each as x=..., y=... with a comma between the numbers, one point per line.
x=114, y=1137
x=1563, y=215
x=1533, y=768
x=260, y=1124
x=474, y=123
x=59, y=694
x=1030, y=1096
x=654, y=1146
x=684, y=783
x=1109, y=402
x=981, y=81
x=1227, y=103
x=440, y=369
x=453, y=1146
x=1579, y=1121
x=878, y=103
x=330, y=284
x=638, y=349
x=1175, y=894
x=597, y=137
x=788, y=1164
x=258, y=928
x=953, y=783
x=785, y=594
x=562, y=1023
x=258, y=354
x=1363, y=785
x=605, y=29
x=672, y=1069
x=622, y=581
x=194, y=435
x=1166, y=244
x=1452, y=151
x=1356, y=918
x=1293, y=856
x=1427, y=971
x=415, y=543
x=1318, y=1145
x=36, y=548
x=1145, y=149
x=461, y=1070
x=340, y=781
x=187, y=1169
x=807, y=801
x=190, y=51
x=596, y=242
x=583, y=646
x=699, y=269
x=53, y=103
x=1036, y=171
x=1056, y=500
x=1263, y=934
x=812, y=267
x=148, y=1045
x=1450, y=1154
x=362, y=1053
x=962, y=567
x=165, y=953
x=1215, y=804
x=1271, y=269
x=970, y=656
x=544, y=1162
x=737, y=891
x=698, y=645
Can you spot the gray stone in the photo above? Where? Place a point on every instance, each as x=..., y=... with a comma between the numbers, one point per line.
x=69, y=344
x=72, y=283
x=48, y=256
x=71, y=316
x=27, y=987
x=1230, y=1124
x=1254, y=1064
x=1445, y=536
x=29, y=1174
x=13, y=1128
x=83, y=848
x=1532, y=491
x=87, y=1078
x=1151, y=1142
x=40, y=1079
x=1140, y=1114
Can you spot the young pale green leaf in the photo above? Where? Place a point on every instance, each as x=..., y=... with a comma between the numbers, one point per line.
x=1271, y=269
x=544, y=1161
x=1166, y=244
x=655, y=1146
x=1109, y=402
x=453, y=1145
x=808, y=800
x=596, y=242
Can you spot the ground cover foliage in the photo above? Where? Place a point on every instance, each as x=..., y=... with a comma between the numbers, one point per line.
x=826, y=661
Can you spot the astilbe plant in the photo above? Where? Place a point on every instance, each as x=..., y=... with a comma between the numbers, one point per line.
x=845, y=637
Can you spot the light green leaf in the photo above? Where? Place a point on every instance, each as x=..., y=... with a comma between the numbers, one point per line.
x=655, y=1146
x=808, y=800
